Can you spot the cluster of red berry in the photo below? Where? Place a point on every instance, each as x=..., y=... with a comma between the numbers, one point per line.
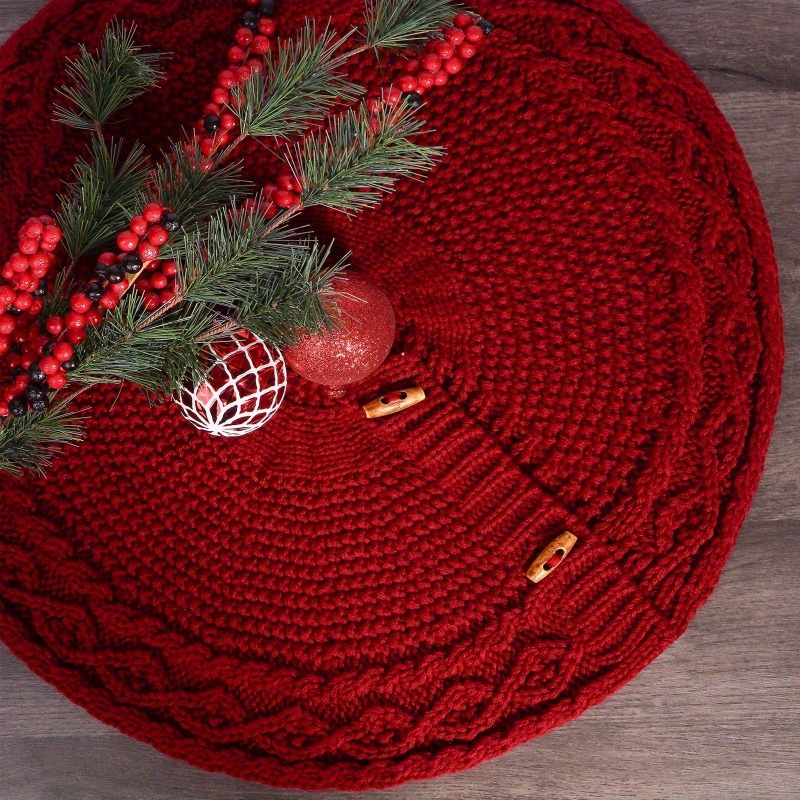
x=284, y=193
x=443, y=58
x=24, y=276
x=139, y=247
x=23, y=285
x=37, y=358
x=218, y=126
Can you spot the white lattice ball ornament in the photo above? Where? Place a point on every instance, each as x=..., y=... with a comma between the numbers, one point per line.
x=243, y=388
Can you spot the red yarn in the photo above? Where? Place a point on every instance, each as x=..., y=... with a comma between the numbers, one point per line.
x=587, y=291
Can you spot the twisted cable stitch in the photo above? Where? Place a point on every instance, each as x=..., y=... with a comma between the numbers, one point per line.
x=587, y=290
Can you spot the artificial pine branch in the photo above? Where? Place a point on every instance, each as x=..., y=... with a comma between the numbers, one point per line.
x=182, y=184
x=225, y=256
x=247, y=268
x=158, y=357
x=283, y=304
x=109, y=79
x=297, y=86
x=102, y=197
x=403, y=24
x=27, y=443
x=235, y=266
x=360, y=157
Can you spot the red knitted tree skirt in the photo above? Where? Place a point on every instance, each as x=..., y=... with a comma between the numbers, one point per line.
x=586, y=289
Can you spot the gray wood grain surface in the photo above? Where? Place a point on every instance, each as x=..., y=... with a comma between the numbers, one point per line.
x=718, y=714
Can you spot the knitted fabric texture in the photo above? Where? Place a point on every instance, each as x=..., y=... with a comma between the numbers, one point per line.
x=585, y=288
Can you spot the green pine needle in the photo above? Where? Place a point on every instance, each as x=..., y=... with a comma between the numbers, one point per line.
x=103, y=196
x=181, y=184
x=402, y=24
x=297, y=299
x=56, y=302
x=222, y=259
x=27, y=444
x=109, y=79
x=270, y=279
x=157, y=357
x=297, y=87
x=361, y=157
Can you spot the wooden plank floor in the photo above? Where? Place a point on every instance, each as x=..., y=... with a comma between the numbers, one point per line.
x=718, y=714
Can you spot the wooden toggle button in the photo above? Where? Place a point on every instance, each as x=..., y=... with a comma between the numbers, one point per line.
x=551, y=557
x=394, y=402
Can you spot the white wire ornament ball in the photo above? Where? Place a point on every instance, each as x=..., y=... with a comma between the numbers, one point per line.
x=243, y=388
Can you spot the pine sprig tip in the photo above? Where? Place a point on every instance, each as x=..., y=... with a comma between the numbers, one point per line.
x=402, y=24
x=105, y=81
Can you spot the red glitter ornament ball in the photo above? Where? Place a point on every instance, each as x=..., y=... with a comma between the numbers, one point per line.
x=360, y=342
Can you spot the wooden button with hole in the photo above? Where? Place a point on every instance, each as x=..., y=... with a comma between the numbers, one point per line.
x=552, y=555
x=393, y=402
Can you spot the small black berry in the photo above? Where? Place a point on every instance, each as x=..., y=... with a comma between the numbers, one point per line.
x=250, y=20
x=486, y=26
x=39, y=404
x=35, y=392
x=266, y=8
x=115, y=274
x=47, y=350
x=15, y=312
x=413, y=99
x=70, y=364
x=41, y=289
x=35, y=374
x=18, y=407
x=170, y=222
x=211, y=123
x=132, y=262
x=94, y=291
